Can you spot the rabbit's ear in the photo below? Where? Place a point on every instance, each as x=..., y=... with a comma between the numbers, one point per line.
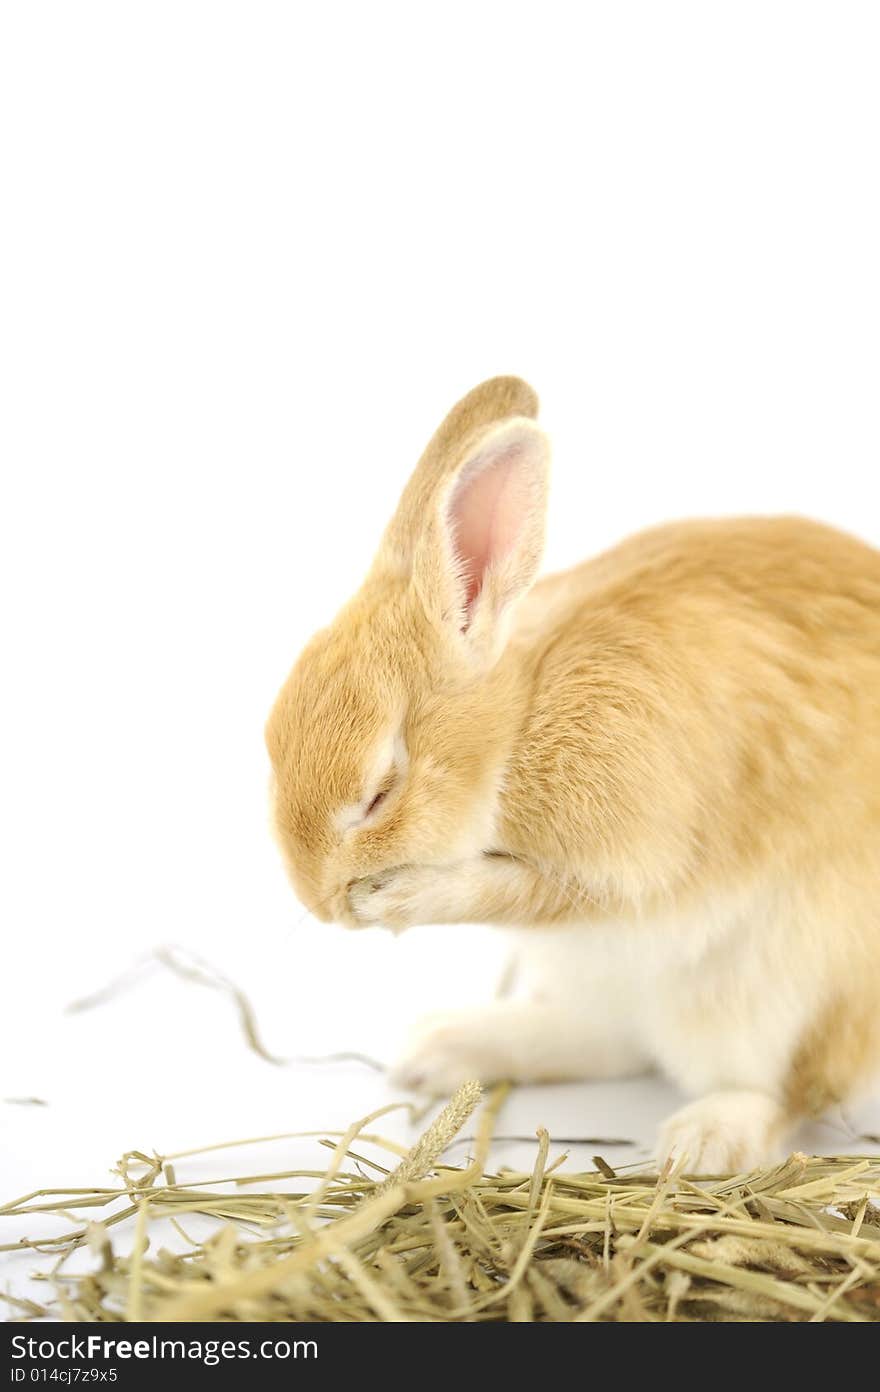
x=498, y=399
x=481, y=542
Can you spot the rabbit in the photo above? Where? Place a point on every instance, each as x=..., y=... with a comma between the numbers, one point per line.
x=662, y=767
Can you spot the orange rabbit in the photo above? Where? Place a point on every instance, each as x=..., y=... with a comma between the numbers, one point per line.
x=673, y=750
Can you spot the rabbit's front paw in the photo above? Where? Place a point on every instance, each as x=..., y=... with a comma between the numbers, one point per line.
x=445, y=1051
x=399, y=898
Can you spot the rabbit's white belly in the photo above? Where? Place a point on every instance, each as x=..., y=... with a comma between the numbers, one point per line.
x=714, y=1001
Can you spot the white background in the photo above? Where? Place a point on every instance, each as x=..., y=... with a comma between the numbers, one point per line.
x=251, y=254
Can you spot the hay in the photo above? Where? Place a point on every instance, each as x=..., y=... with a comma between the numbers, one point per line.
x=197, y=972
x=431, y=1241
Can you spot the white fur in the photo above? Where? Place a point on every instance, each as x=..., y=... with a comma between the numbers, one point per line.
x=718, y=1003
x=529, y=1040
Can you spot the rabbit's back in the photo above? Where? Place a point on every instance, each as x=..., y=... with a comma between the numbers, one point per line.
x=808, y=574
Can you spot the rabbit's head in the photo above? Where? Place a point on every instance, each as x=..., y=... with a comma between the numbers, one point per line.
x=386, y=739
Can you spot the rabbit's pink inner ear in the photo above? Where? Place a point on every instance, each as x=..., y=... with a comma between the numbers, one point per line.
x=487, y=512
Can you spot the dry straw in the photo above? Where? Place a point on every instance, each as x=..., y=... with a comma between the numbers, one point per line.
x=430, y=1241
